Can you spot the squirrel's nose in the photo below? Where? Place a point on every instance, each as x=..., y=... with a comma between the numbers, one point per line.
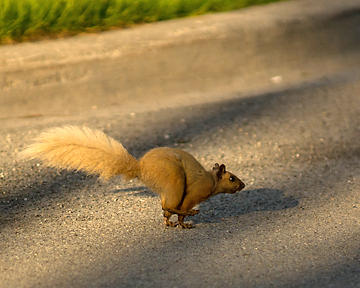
x=242, y=185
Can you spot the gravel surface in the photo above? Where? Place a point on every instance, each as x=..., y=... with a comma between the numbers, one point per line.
x=291, y=134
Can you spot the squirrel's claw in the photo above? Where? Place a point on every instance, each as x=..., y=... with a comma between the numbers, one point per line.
x=186, y=225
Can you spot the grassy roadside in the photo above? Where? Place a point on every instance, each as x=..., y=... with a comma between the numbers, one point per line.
x=32, y=19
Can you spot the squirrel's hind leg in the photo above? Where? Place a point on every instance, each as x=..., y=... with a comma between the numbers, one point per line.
x=183, y=224
x=171, y=193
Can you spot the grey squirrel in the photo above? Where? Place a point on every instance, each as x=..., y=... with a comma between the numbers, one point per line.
x=174, y=174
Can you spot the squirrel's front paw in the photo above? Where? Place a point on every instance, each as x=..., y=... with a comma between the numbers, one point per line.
x=193, y=212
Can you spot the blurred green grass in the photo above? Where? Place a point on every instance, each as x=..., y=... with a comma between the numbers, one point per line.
x=31, y=19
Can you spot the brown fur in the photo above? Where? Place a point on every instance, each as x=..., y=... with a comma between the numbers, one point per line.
x=174, y=174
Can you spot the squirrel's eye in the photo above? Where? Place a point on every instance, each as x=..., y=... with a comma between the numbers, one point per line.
x=231, y=179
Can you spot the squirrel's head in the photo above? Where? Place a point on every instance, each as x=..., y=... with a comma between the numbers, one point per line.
x=226, y=182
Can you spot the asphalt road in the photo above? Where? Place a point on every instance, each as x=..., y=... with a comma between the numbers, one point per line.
x=274, y=96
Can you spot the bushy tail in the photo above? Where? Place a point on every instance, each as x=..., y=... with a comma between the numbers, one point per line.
x=83, y=149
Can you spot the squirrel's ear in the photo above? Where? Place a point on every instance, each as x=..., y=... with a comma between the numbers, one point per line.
x=222, y=169
x=216, y=167
x=216, y=170
x=219, y=170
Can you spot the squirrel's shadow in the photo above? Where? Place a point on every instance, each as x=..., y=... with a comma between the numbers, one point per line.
x=247, y=201
x=140, y=191
x=226, y=205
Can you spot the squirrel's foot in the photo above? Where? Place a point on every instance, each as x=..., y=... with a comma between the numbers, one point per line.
x=183, y=224
x=193, y=212
x=186, y=225
x=169, y=223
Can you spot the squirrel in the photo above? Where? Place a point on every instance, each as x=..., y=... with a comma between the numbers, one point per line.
x=175, y=175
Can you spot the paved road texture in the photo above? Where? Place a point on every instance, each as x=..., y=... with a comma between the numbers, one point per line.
x=273, y=92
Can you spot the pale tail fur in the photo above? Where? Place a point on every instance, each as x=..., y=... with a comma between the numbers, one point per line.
x=81, y=148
